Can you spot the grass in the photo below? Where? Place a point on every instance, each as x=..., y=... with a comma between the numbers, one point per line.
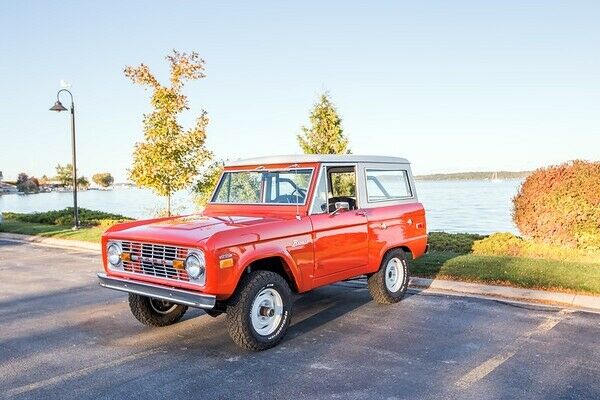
x=87, y=234
x=450, y=258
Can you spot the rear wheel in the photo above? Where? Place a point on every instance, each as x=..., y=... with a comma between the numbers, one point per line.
x=258, y=314
x=389, y=284
x=155, y=312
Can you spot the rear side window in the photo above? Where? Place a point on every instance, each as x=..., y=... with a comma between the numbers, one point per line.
x=385, y=185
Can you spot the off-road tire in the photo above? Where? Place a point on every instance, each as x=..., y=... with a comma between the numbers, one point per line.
x=213, y=313
x=377, y=282
x=142, y=310
x=239, y=308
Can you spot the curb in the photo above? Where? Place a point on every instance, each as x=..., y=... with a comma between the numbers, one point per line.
x=51, y=242
x=462, y=288
x=508, y=292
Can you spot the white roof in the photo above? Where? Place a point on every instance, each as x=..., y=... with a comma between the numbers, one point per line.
x=316, y=158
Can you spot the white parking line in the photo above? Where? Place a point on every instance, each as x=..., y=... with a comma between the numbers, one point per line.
x=485, y=368
x=77, y=374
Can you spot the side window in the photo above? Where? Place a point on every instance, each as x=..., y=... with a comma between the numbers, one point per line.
x=320, y=204
x=335, y=184
x=343, y=184
x=384, y=185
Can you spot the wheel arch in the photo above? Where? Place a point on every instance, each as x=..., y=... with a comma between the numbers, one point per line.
x=274, y=263
x=402, y=247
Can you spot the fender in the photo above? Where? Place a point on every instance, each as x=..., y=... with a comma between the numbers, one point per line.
x=280, y=248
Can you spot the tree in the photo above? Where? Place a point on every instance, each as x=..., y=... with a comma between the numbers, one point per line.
x=22, y=178
x=26, y=184
x=103, y=179
x=65, y=175
x=83, y=183
x=44, y=180
x=169, y=157
x=325, y=135
x=207, y=182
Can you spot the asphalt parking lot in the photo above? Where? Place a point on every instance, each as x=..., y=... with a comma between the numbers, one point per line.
x=62, y=336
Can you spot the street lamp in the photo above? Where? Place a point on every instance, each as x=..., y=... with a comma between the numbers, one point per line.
x=58, y=107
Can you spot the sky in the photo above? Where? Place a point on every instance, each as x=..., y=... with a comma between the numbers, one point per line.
x=452, y=86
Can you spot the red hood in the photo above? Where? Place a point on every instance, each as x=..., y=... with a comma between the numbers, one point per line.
x=189, y=229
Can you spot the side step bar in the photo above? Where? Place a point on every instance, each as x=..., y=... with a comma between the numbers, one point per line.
x=177, y=296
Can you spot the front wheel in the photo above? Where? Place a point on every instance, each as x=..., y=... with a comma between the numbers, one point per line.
x=389, y=284
x=155, y=312
x=258, y=314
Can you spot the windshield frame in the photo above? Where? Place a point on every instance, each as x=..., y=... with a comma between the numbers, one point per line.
x=261, y=170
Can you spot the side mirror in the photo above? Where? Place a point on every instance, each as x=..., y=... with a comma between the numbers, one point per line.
x=341, y=205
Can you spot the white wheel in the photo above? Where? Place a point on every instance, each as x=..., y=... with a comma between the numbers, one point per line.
x=388, y=285
x=266, y=311
x=394, y=274
x=258, y=314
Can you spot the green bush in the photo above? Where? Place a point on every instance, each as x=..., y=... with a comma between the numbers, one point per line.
x=560, y=205
x=507, y=244
x=499, y=244
x=65, y=217
x=452, y=242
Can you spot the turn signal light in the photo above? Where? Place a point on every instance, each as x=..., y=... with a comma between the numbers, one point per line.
x=126, y=256
x=178, y=264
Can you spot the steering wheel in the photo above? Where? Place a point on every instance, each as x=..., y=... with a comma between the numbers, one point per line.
x=301, y=193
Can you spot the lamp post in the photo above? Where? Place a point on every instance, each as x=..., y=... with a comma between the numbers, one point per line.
x=58, y=107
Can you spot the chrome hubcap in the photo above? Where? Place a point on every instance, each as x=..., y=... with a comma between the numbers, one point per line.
x=394, y=275
x=162, y=306
x=267, y=311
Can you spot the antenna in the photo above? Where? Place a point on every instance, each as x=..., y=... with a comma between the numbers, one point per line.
x=295, y=166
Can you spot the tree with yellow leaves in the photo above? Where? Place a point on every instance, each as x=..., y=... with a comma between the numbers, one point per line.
x=169, y=158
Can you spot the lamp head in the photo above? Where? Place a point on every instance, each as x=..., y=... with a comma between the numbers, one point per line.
x=58, y=107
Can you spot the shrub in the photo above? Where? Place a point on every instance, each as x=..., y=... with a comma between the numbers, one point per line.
x=499, y=244
x=453, y=242
x=507, y=244
x=561, y=205
x=65, y=217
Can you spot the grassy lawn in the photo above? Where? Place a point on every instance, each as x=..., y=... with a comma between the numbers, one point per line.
x=450, y=257
x=460, y=264
x=87, y=234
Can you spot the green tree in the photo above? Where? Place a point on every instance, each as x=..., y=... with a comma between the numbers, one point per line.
x=27, y=184
x=103, y=179
x=22, y=178
x=325, y=134
x=83, y=183
x=169, y=157
x=207, y=182
x=65, y=175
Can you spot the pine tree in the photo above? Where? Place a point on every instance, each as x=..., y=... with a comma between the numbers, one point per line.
x=325, y=135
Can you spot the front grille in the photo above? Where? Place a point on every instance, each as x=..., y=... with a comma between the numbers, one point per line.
x=155, y=260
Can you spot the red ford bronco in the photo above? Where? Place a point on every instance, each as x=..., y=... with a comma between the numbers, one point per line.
x=274, y=226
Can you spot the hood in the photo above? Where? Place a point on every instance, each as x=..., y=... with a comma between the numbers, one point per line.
x=189, y=229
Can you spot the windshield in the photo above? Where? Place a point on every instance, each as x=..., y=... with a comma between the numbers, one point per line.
x=264, y=187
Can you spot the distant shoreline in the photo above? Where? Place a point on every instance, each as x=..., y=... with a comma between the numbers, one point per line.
x=479, y=175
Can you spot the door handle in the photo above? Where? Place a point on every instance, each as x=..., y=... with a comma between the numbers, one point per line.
x=362, y=213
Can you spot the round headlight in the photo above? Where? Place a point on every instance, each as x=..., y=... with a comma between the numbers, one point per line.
x=194, y=265
x=114, y=254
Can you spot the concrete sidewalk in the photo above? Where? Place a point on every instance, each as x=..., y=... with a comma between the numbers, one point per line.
x=586, y=302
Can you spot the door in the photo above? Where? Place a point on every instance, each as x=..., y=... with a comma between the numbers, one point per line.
x=340, y=238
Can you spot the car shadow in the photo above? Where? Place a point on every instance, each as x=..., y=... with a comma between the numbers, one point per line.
x=324, y=305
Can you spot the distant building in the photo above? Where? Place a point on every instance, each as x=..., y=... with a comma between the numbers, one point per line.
x=6, y=188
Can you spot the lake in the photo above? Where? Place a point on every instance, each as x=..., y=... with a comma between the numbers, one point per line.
x=452, y=206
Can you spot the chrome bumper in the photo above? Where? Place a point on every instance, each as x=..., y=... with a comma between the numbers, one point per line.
x=158, y=292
